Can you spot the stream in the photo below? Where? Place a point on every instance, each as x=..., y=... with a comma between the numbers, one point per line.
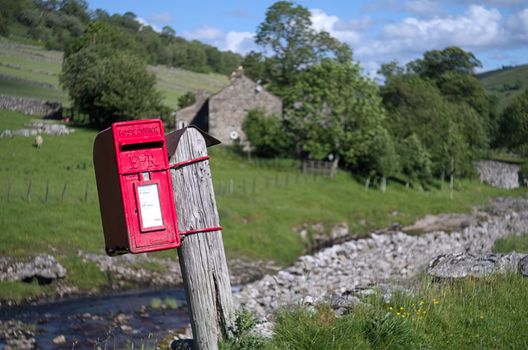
x=125, y=320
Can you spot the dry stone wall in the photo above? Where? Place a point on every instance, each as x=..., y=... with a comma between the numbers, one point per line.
x=31, y=107
x=498, y=174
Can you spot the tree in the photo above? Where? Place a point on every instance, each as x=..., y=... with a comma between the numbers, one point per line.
x=514, y=125
x=391, y=69
x=465, y=89
x=254, y=64
x=336, y=111
x=186, y=99
x=385, y=160
x=451, y=59
x=415, y=160
x=452, y=134
x=266, y=134
x=75, y=8
x=107, y=81
x=287, y=31
x=168, y=33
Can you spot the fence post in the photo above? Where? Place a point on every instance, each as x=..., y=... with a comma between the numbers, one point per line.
x=201, y=255
x=28, y=194
x=47, y=192
x=63, y=192
x=86, y=194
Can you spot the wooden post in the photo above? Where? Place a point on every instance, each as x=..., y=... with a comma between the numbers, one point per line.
x=63, y=191
x=202, y=257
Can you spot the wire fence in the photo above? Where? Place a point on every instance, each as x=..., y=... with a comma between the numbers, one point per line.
x=35, y=190
x=253, y=185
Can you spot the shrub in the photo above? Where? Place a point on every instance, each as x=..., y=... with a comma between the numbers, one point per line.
x=266, y=134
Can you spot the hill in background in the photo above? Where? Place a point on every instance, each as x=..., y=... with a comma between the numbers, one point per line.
x=32, y=71
x=505, y=83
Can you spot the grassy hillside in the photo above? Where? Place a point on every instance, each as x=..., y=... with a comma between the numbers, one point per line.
x=505, y=83
x=49, y=201
x=31, y=71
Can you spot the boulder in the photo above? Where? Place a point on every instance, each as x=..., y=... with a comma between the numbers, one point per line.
x=523, y=266
x=460, y=265
x=42, y=267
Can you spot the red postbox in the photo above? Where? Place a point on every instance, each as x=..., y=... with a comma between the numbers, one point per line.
x=135, y=188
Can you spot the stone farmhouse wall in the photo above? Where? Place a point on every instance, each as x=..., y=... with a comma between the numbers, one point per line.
x=222, y=114
x=31, y=107
x=229, y=107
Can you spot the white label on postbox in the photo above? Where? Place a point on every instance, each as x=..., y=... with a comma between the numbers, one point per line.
x=149, y=204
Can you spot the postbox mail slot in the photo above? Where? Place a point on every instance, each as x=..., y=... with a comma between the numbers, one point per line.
x=135, y=146
x=135, y=188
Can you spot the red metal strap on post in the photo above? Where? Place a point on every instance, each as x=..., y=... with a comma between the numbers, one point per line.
x=188, y=162
x=207, y=229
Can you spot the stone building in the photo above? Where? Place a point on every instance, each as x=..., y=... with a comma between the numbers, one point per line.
x=221, y=115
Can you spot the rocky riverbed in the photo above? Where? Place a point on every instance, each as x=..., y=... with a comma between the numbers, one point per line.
x=383, y=260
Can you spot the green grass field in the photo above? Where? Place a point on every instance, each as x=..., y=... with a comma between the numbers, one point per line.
x=517, y=243
x=32, y=71
x=49, y=201
x=505, y=83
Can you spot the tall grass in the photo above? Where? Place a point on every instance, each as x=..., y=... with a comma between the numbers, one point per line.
x=489, y=313
x=515, y=243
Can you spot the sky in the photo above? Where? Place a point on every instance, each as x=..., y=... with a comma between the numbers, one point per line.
x=378, y=31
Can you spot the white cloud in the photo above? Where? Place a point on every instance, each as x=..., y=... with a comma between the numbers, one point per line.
x=205, y=33
x=240, y=42
x=331, y=24
x=518, y=26
x=477, y=28
x=361, y=24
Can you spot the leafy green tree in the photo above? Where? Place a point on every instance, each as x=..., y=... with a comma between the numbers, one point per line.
x=452, y=134
x=254, y=64
x=451, y=59
x=168, y=33
x=266, y=134
x=107, y=81
x=513, y=128
x=287, y=31
x=415, y=160
x=384, y=158
x=391, y=69
x=75, y=8
x=186, y=99
x=465, y=89
x=440, y=93
x=335, y=110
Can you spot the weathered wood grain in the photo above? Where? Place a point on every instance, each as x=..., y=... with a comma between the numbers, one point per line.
x=202, y=257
